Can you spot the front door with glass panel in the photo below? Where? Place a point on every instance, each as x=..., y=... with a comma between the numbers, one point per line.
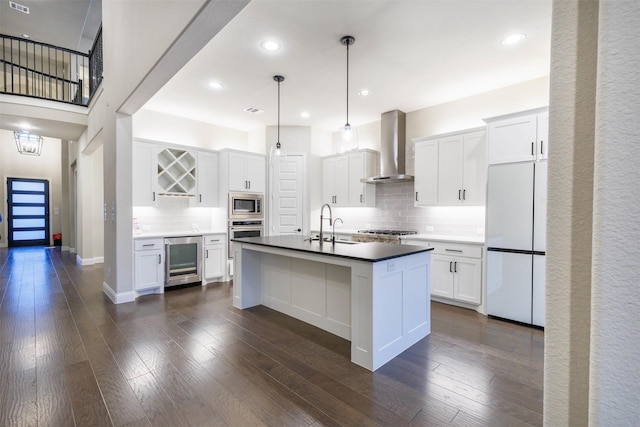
x=28, y=212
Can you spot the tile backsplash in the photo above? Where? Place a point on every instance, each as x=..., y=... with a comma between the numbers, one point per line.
x=174, y=214
x=395, y=210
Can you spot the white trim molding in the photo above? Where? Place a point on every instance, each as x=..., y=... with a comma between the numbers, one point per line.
x=115, y=297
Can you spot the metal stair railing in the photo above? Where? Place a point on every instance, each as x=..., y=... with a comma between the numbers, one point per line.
x=41, y=70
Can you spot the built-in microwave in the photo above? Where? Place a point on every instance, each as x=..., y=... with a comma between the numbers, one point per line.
x=245, y=206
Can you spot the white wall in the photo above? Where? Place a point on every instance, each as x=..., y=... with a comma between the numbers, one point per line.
x=157, y=126
x=46, y=166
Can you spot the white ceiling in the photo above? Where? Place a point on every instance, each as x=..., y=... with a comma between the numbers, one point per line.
x=72, y=24
x=410, y=53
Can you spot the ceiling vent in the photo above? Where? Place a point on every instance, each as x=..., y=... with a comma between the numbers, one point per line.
x=254, y=110
x=19, y=7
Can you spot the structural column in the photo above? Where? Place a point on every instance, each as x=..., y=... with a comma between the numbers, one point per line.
x=614, y=378
x=569, y=212
x=592, y=362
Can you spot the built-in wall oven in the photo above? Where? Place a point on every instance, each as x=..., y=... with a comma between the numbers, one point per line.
x=183, y=260
x=246, y=206
x=239, y=228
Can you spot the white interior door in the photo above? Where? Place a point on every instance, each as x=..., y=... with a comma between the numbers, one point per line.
x=287, y=198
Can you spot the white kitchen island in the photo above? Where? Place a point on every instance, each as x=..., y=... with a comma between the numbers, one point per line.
x=374, y=294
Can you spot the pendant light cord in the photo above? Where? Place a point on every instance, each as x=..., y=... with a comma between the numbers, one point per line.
x=347, y=83
x=279, y=79
x=347, y=41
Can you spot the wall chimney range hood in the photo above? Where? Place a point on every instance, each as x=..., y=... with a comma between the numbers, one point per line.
x=392, y=155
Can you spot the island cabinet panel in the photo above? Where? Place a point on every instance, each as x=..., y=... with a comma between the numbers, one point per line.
x=276, y=273
x=378, y=302
x=309, y=291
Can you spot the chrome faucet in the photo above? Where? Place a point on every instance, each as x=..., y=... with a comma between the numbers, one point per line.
x=322, y=220
x=333, y=231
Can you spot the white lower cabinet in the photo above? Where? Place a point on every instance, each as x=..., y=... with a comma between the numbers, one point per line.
x=214, y=256
x=148, y=264
x=456, y=270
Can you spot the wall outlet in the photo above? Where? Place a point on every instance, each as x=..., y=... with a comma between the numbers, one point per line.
x=428, y=228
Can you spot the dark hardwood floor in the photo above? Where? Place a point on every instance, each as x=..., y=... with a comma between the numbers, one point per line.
x=68, y=356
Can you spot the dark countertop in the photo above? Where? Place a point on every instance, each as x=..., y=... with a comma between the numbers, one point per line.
x=369, y=252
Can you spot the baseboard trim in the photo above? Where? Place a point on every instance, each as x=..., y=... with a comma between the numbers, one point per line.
x=65, y=248
x=117, y=298
x=89, y=261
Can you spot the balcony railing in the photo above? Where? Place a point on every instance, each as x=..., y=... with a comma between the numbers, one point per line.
x=40, y=70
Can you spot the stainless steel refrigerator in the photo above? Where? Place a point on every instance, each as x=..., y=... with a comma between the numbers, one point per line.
x=516, y=226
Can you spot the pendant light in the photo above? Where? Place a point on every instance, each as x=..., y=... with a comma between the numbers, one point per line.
x=277, y=151
x=349, y=135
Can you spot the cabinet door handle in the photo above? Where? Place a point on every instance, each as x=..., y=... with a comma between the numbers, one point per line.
x=148, y=245
x=249, y=184
x=154, y=196
x=459, y=194
x=361, y=198
x=416, y=196
x=464, y=194
x=159, y=259
x=541, y=147
x=206, y=253
x=454, y=250
x=450, y=266
x=455, y=266
x=532, y=152
x=217, y=240
x=200, y=198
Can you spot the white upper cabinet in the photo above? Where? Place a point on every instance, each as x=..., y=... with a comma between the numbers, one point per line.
x=519, y=137
x=176, y=171
x=474, y=171
x=341, y=175
x=362, y=164
x=450, y=164
x=144, y=190
x=160, y=169
x=451, y=169
x=207, y=174
x=335, y=174
x=426, y=173
x=246, y=172
x=543, y=136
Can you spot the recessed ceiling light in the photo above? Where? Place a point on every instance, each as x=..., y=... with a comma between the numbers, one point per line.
x=270, y=45
x=364, y=92
x=215, y=85
x=26, y=36
x=24, y=125
x=304, y=114
x=512, y=39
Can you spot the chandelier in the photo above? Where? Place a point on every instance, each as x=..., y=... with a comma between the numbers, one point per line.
x=28, y=143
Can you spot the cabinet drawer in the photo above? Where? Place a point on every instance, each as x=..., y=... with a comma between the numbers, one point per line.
x=457, y=249
x=214, y=239
x=148, y=244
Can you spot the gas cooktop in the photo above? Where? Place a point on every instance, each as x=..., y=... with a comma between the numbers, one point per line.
x=385, y=232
